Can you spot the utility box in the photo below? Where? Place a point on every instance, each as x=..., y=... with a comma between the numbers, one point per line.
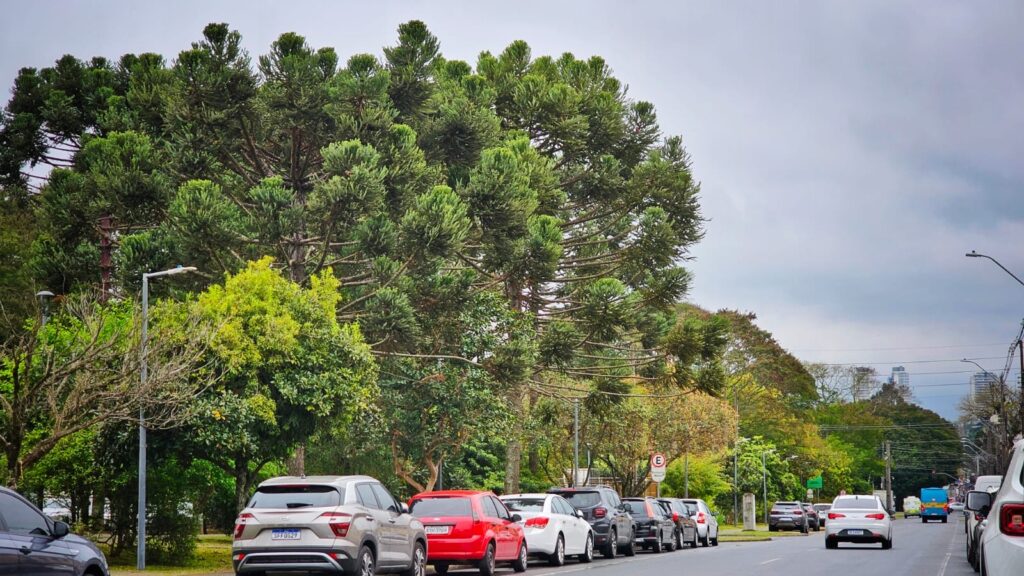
x=749, y=511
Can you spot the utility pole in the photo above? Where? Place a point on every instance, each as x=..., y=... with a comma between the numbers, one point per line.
x=888, y=475
x=764, y=482
x=1020, y=404
x=576, y=442
x=686, y=473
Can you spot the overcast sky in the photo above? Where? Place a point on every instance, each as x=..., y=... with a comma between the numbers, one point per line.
x=850, y=152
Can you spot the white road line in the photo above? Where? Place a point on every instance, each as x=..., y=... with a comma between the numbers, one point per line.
x=770, y=561
x=945, y=563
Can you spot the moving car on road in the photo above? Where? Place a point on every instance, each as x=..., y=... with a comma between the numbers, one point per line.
x=653, y=528
x=31, y=543
x=787, y=516
x=934, y=504
x=707, y=524
x=686, y=526
x=1001, y=545
x=911, y=506
x=467, y=527
x=554, y=529
x=858, y=519
x=988, y=484
x=339, y=524
x=603, y=509
x=813, y=519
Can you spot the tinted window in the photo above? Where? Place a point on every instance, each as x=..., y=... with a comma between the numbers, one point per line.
x=525, y=504
x=636, y=508
x=365, y=494
x=691, y=509
x=21, y=518
x=442, y=507
x=855, y=504
x=384, y=498
x=583, y=500
x=489, y=509
x=296, y=497
x=500, y=508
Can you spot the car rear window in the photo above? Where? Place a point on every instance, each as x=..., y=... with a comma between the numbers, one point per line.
x=582, y=500
x=636, y=508
x=820, y=507
x=524, y=504
x=441, y=507
x=855, y=504
x=308, y=496
x=785, y=505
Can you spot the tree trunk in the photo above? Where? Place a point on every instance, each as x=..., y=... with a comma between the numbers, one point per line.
x=243, y=479
x=513, y=460
x=297, y=463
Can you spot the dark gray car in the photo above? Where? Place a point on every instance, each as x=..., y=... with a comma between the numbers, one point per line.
x=31, y=543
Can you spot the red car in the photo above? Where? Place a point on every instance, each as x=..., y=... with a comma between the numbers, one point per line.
x=469, y=527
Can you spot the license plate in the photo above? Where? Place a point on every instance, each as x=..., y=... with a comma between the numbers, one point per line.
x=285, y=534
x=855, y=532
x=786, y=518
x=437, y=529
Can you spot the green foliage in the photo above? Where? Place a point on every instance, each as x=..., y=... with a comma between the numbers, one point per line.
x=708, y=477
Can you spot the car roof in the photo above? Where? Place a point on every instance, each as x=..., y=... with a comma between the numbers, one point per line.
x=531, y=495
x=450, y=494
x=340, y=481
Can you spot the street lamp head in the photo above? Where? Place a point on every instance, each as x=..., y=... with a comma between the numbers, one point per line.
x=973, y=254
x=179, y=269
x=44, y=294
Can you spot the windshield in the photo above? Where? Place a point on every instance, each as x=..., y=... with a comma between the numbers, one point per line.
x=780, y=505
x=582, y=500
x=442, y=507
x=820, y=507
x=855, y=504
x=524, y=504
x=296, y=497
x=636, y=508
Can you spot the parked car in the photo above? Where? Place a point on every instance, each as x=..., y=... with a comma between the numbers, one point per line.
x=554, y=529
x=822, y=510
x=1001, y=544
x=787, y=516
x=31, y=543
x=467, y=527
x=608, y=516
x=911, y=506
x=653, y=528
x=858, y=519
x=340, y=524
x=686, y=526
x=973, y=520
x=813, y=520
x=707, y=524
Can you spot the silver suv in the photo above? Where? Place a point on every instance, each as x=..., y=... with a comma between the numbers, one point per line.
x=342, y=524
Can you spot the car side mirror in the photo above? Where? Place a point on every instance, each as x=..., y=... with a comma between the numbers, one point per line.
x=403, y=508
x=60, y=530
x=517, y=518
x=578, y=514
x=979, y=501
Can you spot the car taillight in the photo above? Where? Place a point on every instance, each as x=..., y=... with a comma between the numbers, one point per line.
x=797, y=513
x=647, y=506
x=1011, y=519
x=339, y=522
x=835, y=515
x=600, y=512
x=538, y=522
x=776, y=512
x=700, y=518
x=876, y=516
x=240, y=523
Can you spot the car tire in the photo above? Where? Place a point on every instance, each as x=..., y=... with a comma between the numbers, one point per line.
x=944, y=520
x=887, y=544
x=803, y=529
x=924, y=520
x=693, y=543
x=522, y=559
x=441, y=569
x=612, y=548
x=366, y=564
x=419, y=561
x=714, y=541
x=831, y=544
x=678, y=535
x=657, y=547
x=673, y=543
x=631, y=547
x=588, y=551
x=704, y=541
x=557, y=558
x=772, y=528
x=486, y=564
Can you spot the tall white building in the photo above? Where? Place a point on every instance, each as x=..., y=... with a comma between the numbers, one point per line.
x=900, y=376
x=983, y=383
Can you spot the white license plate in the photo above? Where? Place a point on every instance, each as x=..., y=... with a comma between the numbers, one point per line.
x=437, y=529
x=285, y=534
x=855, y=532
x=786, y=518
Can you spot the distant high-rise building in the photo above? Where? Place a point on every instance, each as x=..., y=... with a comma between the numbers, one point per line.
x=864, y=384
x=900, y=376
x=983, y=383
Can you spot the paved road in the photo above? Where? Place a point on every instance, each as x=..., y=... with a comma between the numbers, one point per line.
x=918, y=550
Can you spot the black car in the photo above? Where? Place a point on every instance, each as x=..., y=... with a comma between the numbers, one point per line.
x=608, y=516
x=653, y=527
x=682, y=515
x=34, y=544
x=787, y=516
x=813, y=519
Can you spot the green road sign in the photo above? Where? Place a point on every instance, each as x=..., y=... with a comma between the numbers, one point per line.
x=815, y=483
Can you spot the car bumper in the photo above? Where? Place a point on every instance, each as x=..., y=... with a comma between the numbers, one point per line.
x=293, y=560
x=786, y=524
x=1003, y=555
x=865, y=532
x=455, y=549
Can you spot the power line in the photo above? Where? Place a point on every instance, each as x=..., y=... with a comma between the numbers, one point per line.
x=901, y=362
x=952, y=346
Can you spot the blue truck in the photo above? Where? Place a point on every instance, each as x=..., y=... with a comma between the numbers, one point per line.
x=934, y=504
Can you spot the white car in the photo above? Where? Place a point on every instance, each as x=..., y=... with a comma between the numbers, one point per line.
x=553, y=528
x=858, y=519
x=988, y=484
x=707, y=524
x=1001, y=543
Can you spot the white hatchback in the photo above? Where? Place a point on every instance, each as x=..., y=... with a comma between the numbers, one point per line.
x=1001, y=543
x=554, y=529
x=858, y=519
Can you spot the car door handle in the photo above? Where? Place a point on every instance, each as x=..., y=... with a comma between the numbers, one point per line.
x=26, y=550
x=391, y=521
x=371, y=519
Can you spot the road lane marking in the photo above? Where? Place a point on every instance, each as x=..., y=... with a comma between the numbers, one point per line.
x=945, y=563
x=770, y=561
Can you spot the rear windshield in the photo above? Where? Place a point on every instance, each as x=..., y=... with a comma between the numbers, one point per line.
x=636, y=508
x=822, y=506
x=582, y=500
x=786, y=505
x=296, y=497
x=524, y=504
x=442, y=507
x=855, y=504
x=691, y=509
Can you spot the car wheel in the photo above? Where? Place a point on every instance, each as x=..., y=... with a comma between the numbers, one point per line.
x=366, y=565
x=441, y=569
x=419, y=562
x=558, y=557
x=631, y=547
x=714, y=541
x=704, y=541
x=673, y=543
x=772, y=528
x=679, y=539
x=657, y=547
x=944, y=520
x=520, y=563
x=693, y=543
x=612, y=548
x=588, y=552
x=887, y=544
x=487, y=562
x=831, y=544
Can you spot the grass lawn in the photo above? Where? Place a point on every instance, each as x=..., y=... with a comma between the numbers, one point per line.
x=213, y=556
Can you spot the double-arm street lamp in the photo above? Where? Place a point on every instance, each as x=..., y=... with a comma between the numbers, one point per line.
x=140, y=561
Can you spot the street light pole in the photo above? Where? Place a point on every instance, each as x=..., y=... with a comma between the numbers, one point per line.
x=140, y=555
x=44, y=306
x=764, y=482
x=576, y=442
